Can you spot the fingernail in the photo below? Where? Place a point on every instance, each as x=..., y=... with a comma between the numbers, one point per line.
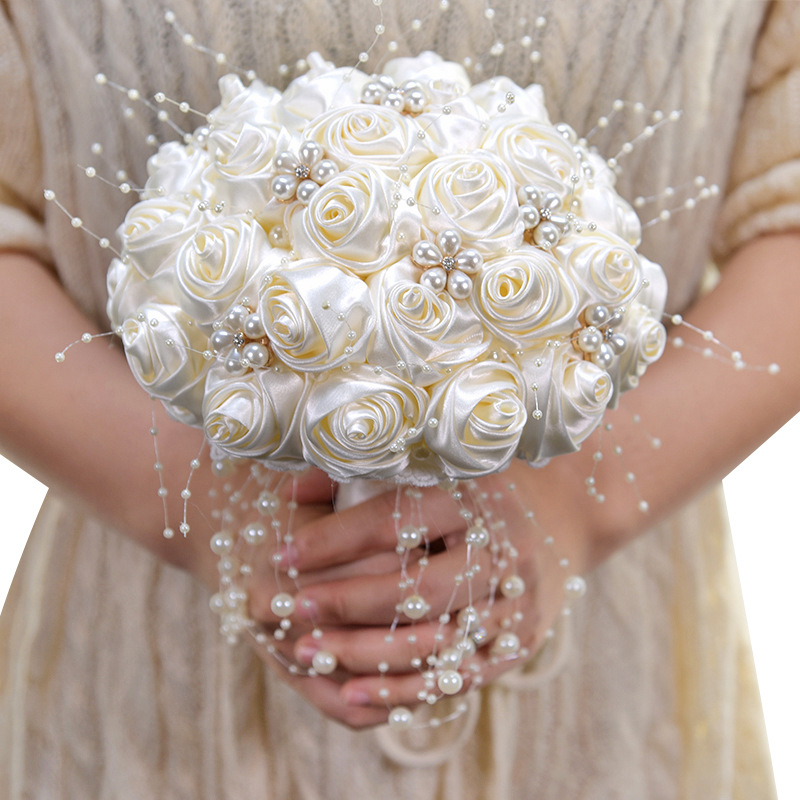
x=285, y=556
x=305, y=652
x=356, y=697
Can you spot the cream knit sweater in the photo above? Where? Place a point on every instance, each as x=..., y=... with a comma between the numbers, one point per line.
x=113, y=680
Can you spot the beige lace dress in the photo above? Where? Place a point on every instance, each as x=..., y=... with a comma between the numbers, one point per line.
x=114, y=682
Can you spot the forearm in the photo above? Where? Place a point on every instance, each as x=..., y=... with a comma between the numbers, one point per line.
x=82, y=427
x=707, y=415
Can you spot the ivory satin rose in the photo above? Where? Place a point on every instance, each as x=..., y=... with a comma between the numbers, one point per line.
x=475, y=195
x=350, y=221
x=253, y=414
x=317, y=316
x=421, y=333
x=165, y=354
x=524, y=298
x=359, y=423
x=476, y=417
x=219, y=264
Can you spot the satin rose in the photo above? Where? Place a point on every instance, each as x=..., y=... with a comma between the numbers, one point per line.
x=219, y=265
x=177, y=169
x=646, y=338
x=421, y=333
x=359, y=423
x=525, y=297
x=165, y=354
x=255, y=104
x=155, y=228
x=350, y=221
x=476, y=417
x=316, y=315
x=603, y=265
x=475, y=195
x=370, y=135
x=252, y=415
x=535, y=153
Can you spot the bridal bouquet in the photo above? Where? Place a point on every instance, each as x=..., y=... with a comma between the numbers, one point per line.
x=400, y=276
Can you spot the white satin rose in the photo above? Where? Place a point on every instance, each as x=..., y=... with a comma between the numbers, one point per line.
x=220, y=264
x=475, y=195
x=350, y=221
x=253, y=415
x=536, y=153
x=370, y=135
x=255, y=104
x=525, y=297
x=646, y=338
x=128, y=291
x=603, y=265
x=421, y=333
x=494, y=93
x=476, y=417
x=242, y=166
x=360, y=423
x=316, y=315
x=165, y=354
x=155, y=228
x=177, y=169
x=444, y=81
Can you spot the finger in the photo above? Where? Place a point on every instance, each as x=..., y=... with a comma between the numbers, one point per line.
x=379, y=600
x=369, y=527
x=311, y=486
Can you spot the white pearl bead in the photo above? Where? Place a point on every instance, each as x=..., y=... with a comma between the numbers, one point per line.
x=468, y=618
x=529, y=215
x=282, y=605
x=286, y=162
x=450, y=682
x=324, y=662
x=284, y=187
x=409, y=537
x=401, y=717
x=426, y=254
x=617, y=342
x=268, y=503
x=575, y=586
x=256, y=354
x=221, y=543
x=590, y=339
x=253, y=533
x=324, y=170
x=477, y=536
x=604, y=357
x=506, y=644
x=310, y=152
x=459, y=284
x=449, y=241
x=415, y=607
x=512, y=587
x=546, y=235
x=529, y=195
x=221, y=340
x=469, y=261
x=597, y=315
x=434, y=278
x=253, y=327
x=305, y=191
x=235, y=318
x=451, y=657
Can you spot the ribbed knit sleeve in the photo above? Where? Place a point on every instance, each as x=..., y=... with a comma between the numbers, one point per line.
x=764, y=188
x=20, y=161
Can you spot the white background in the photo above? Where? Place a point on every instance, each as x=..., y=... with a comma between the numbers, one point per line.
x=762, y=500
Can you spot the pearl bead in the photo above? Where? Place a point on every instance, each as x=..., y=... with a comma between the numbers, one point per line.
x=506, y=644
x=256, y=354
x=468, y=618
x=449, y=241
x=286, y=162
x=434, y=278
x=268, y=503
x=575, y=587
x=469, y=261
x=590, y=339
x=401, y=718
x=604, y=357
x=233, y=364
x=512, y=587
x=459, y=284
x=309, y=152
x=451, y=657
x=546, y=235
x=221, y=544
x=415, y=101
x=415, y=607
x=282, y=605
x=305, y=190
x=324, y=170
x=235, y=318
x=426, y=254
x=529, y=195
x=530, y=216
x=409, y=537
x=284, y=187
x=324, y=662
x=253, y=533
x=617, y=342
x=450, y=682
x=477, y=536
x=221, y=340
x=253, y=327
